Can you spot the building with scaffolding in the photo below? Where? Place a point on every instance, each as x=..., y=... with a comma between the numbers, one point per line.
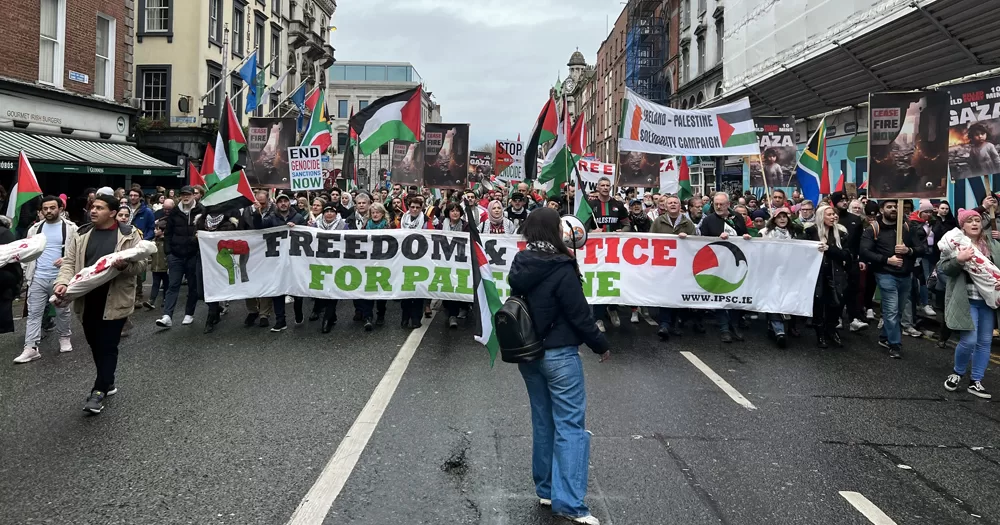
x=646, y=50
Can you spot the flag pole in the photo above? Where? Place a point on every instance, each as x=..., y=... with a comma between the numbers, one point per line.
x=290, y=93
x=225, y=65
x=244, y=61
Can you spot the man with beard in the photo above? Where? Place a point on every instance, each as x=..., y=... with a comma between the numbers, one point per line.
x=694, y=211
x=41, y=275
x=724, y=224
x=283, y=215
x=893, y=267
x=181, y=247
x=214, y=222
x=854, y=225
x=517, y=212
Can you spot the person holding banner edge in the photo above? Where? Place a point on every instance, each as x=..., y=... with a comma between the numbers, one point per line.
x=723, y=224
x=284, y=215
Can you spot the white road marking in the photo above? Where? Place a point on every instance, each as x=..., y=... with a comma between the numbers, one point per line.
x=316, y=504
x=649, y=320
x=867, y=508
x=717, y=379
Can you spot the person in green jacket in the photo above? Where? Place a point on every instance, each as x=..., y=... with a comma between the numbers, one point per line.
x=965, y=311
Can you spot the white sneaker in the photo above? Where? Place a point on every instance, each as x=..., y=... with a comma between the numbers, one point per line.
x=635, y=317
x=289, y=299
x=188, y=319
x=586, y=520
x=613, y=317
x=840, y=324
x=928, y=311
x=545, y=502
x=858, y=325
x=880, y=323
x=600, y=325
x=65, y=345
x=912, y=332
x=29, y=354
x=870, y=314
x=165, y=322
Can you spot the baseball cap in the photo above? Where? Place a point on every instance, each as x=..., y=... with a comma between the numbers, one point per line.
x=187, y=189
x=283, y=195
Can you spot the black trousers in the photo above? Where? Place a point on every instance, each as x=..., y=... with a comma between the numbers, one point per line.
x=367, y=307
x=328, y=307
x=413, y=310
x=279, y=307
x=826, y=314
x=103, y=336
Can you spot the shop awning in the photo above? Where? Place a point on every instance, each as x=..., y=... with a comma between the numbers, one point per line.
x=65, y=155
x=931, y=44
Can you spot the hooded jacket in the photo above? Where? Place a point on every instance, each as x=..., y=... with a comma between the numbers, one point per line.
x=551, y=285
x=144, y=221
x=180, y=231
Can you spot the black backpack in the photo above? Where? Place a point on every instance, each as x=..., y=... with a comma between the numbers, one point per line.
x=515, y=331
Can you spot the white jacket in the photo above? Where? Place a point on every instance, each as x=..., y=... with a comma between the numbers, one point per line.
x=69, y=230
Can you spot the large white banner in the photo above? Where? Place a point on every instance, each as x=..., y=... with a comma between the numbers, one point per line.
x=591, y=171
x=720, y=130
x=622, y=269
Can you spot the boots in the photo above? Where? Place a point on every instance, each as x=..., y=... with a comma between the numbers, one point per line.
x=821, y=341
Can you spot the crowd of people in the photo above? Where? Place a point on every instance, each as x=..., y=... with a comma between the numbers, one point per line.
x=856, y=236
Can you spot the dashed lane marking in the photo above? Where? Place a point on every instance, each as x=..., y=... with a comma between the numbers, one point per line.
x=719, y=381
x=867, y=508
x=316, y=504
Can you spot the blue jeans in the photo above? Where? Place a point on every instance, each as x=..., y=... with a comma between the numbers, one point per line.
x=975, y=344
x=894, y=290
x=926, y=268
x=776, y=323
x=666, y=318
x=179, y=269
x=560, y=447
x=724, y=317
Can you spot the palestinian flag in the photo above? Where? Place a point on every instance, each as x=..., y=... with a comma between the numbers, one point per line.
x=684, y=179
x=736, y=128
x=396, y=117
x=840, y=183
x=229, y=194
x=581, y=206
x=349, y=169
x=207, y=165
x=228, y=144
x=558, y=161
x=485, y=300
x=25, y=189
x=546, y=129
x=578, y=138
x=812, y=168
x=318, y=132
x=194, y=178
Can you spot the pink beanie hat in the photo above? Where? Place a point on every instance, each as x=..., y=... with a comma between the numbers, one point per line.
x=964, y=215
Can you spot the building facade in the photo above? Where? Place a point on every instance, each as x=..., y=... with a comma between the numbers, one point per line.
x=610, y=90
x=66, y=97
x=354, y=85
x=183, y=49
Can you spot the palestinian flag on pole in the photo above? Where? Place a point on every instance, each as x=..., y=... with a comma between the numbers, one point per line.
x=207, y=166
x=485, y=300
x=558, y=161
x=230, y=193
x=581, y=206
x=349, y=169
x=228, y=144
x=318, y=132
x=25, y=188
x=546, y=129
x=578, y=138
x=684, y=192
x=396, y=117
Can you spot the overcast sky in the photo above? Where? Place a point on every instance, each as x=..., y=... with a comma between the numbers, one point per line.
x=488, y=62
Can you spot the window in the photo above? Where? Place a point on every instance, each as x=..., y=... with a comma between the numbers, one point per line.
x=701, y=53
x=276, y=7
x=274, y=101
x=275, y=49
x=376, y=73
x=215, y=21
x=104, y=68
x=52, y=34
x=236, y=84
x=157, y=17
x=338, y=73
x=684, y=65
x=154, y=90
x=355, y=73
x=702, y=6
x=258, y=39
x=341, y=142
x=215, y=91
x=719, y=40
x=362, y=104
x=685, y=14
x=398, y=74
x=342, y=109
x=238, y=35
x=701, y=98
x=383, y=149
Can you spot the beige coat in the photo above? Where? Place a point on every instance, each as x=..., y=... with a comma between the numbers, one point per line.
x=121, y=294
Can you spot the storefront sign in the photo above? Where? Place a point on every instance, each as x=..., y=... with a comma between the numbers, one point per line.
x=54, y=114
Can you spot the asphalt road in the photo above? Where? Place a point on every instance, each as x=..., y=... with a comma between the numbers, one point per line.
x=236, y=428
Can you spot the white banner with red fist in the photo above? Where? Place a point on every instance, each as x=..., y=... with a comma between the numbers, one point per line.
x=619, y=268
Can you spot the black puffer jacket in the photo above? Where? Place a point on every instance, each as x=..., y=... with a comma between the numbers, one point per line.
x=180, y=232
x=552, y=287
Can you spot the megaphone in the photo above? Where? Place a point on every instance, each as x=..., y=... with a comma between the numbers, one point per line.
x=574, y=233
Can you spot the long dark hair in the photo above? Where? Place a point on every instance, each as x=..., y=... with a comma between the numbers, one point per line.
x=545, y=225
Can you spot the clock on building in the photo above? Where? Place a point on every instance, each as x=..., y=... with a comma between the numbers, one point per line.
x=569, y=86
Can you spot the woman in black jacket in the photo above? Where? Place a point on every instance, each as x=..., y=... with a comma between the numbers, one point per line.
x=831, y=285
x=11, y=276
x=546, y=275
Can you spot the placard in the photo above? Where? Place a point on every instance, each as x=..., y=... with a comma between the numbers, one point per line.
x=305, y=165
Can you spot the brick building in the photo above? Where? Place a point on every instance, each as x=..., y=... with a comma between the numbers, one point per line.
x=66, y=95
x=610, y=90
